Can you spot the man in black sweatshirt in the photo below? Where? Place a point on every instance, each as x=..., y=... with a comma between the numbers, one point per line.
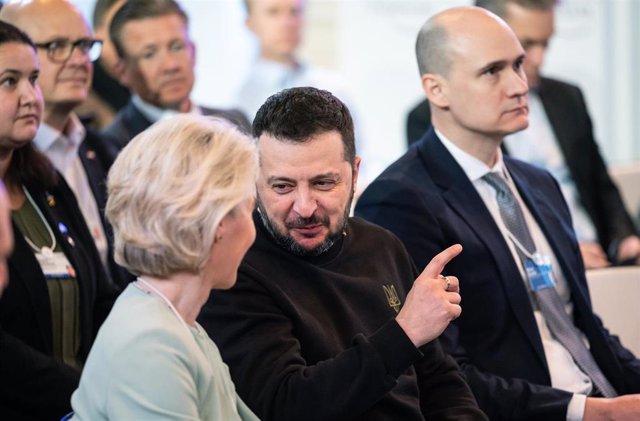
x=329, y=318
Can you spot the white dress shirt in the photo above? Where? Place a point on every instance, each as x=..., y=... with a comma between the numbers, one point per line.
x=62, y=150
x=153, y=113
x=564, y=372
x=269, y=77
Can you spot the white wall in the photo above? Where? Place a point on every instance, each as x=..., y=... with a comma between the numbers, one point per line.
x=371, y=43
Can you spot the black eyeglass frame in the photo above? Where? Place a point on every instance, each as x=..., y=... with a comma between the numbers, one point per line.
x=88, y=46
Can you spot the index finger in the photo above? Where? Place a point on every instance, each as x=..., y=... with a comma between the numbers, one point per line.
x=437, y=264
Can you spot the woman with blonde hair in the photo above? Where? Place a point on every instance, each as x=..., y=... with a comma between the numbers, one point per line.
x=181, y=196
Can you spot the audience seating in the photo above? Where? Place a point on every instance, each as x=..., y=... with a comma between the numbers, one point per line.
x=627, y=178
x=615, y=294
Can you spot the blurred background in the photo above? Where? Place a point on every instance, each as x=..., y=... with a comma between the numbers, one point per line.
x=371, y=44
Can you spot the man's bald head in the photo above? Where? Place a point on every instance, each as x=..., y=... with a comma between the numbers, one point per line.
x=440, y=34
x=25, y=13
x=475, y=82
x=431, y=49
x=500, y=7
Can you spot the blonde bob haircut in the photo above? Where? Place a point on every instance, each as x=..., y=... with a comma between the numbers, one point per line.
x=171, y=186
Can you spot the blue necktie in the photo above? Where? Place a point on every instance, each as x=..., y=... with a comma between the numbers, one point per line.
x=548, y=299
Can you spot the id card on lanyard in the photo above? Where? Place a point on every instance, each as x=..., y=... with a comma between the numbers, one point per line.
x=539, y=272
x=54, y=264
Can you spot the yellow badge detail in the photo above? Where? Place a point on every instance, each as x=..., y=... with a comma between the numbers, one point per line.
x=392, y=297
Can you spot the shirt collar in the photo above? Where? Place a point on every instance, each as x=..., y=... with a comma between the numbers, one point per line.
x=275, y=71
x=153, y=113
x=46, y=135
x=474, y=168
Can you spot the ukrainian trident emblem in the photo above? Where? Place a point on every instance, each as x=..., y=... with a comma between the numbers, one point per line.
x=392, y=297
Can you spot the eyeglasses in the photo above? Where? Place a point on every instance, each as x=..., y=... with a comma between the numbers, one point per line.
x=59, y=50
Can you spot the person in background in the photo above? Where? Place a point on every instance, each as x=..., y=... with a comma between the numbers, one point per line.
x=6, y=237
x=278, y=27
x=66, y=51
x=58, y=294
x=528, y=341
x=180, y=201
x=156, y=59
x=560, y=139
x=328, y=320
x=107, y=95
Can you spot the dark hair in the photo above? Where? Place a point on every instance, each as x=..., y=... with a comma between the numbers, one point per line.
x=30, y=166
x=298, y=114
x=9, y=33
x=100, y=10
x=137, y=10
x=499, y=6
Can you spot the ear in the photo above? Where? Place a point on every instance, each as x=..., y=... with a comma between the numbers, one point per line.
x=120, y=70
x=356, y=171
x=435, y=88
x=221, y=230
x=193, y=51
x=249, y=23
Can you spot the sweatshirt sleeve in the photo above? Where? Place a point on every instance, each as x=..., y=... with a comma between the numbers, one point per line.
x=258, y=342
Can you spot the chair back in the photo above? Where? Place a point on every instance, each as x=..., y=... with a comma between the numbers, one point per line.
x=615, y=294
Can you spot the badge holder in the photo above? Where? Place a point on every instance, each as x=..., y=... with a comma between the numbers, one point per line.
x=539, y=272
x=54, y=264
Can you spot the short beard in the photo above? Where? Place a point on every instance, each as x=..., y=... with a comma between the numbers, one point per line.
x=288, y=243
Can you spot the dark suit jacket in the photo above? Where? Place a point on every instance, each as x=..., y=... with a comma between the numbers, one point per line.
x=33, y=384
x=571, y=124
x=130, y=121
x=108, y=88
x=426, y=199
x=97, y=154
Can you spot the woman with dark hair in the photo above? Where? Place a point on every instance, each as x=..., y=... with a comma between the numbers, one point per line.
x=58, y=294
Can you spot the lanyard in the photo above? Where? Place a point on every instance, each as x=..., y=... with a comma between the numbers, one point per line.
x=521, y=248
x=46, y=251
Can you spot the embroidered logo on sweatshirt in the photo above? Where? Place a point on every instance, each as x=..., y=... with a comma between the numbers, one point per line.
x=392, y=297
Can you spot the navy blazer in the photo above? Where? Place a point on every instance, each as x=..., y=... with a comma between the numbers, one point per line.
x=566, y=109
x=130, y=121
x=34, y=385
x=97, y=154
x=426, y=199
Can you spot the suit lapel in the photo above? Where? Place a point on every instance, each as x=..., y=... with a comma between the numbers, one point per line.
x=549, y=222
x=555, y=107
x=33, y=279
x=464, y=200
x=560, y=241
x=135, y=121
x=71, y=242
x=96, y=174
x=556, y=234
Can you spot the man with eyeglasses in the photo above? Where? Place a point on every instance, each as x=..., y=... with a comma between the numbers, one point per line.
x=156, y=62
x=66, y=50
